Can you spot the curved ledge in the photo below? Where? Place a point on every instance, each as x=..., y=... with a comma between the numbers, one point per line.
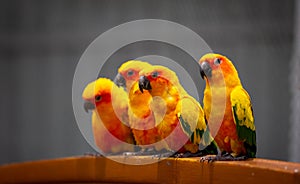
x=91, y=169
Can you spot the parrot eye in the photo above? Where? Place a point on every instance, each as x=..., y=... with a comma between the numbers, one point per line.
x=217, y=61
x=97, y=98
x=130, y=73
x=154, y=74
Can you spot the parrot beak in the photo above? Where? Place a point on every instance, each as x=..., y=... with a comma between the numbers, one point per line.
x=144, y=83
x=88, y=106
x=120, y=81
x=205, y=70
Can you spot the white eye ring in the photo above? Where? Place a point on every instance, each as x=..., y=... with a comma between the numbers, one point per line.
x=217, y=61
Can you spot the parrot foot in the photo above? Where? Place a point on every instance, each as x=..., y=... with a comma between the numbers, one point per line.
x=209, y=150
x=223, y=157
x=142, y=152
x=88, y=154
x=138, y=153
x=164, y=153
x=189, y=154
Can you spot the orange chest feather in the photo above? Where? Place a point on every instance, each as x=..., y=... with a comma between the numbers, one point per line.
x=218, y=111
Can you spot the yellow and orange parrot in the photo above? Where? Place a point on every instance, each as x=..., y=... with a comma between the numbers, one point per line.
x=141, y=118
x=228, y=109
x=181, y=120
x=109, y=105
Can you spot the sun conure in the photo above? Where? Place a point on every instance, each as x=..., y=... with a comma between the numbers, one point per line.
x=109, y=105
x=181, y=120
x=228, y=109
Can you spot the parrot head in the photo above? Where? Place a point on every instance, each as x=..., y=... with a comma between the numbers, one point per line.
x=96, y=93
x=156, y=77
x=216, y=67
x=128, y=73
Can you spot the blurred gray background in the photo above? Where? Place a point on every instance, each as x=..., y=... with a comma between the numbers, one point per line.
x=41, y=43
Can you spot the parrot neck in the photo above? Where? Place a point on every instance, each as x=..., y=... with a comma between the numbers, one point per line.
x=129, y=85
x=168, y=93
x=224, y=81
x=138, y=101
x=135, y=104
x=104, y=110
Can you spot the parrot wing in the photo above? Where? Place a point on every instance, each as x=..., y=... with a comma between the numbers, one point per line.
x=191, y=118
x=243, y=118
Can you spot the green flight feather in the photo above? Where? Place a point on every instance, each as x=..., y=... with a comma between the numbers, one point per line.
x=197, y=134
x=243, y=117
x=185, y=126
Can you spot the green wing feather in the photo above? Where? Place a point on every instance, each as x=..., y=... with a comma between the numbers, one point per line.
x=244, y=120
x=200, y=133
x=191, y=117
x=193, y=123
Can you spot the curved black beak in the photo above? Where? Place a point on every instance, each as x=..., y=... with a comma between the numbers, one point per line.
x=88, y=106
x=120, y=81
x=144, y=83
x=205, y=70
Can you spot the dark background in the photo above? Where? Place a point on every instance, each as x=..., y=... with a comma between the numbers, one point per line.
x=41, y=43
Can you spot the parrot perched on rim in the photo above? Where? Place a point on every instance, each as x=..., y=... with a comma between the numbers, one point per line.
x=109, y=105
x=226, y=100
x=182, y=124
x=141, y=118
